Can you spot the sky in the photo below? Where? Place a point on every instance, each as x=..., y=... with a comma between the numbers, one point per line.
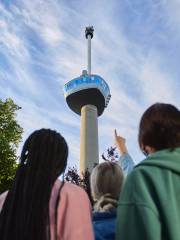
x=135, y=49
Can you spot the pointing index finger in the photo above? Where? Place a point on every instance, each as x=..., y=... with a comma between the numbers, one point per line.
x=115, y=133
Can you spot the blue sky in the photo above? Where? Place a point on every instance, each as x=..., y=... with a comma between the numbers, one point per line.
x=135, y=49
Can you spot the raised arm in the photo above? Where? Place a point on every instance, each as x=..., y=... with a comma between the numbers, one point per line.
x=125, y=160
x=120, y=143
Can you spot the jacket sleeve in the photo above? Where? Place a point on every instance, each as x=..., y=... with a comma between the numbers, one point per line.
x=74, y=215
x=136, y=222
x=126, y=163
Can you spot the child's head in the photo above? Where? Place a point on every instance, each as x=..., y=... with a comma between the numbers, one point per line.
x=160, y=127
x=106, y=180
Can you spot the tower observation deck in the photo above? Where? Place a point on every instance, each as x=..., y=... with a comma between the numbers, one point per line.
x=88, y=95
x=87, y=89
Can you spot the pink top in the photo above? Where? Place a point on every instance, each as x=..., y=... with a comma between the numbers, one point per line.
x=74, y=213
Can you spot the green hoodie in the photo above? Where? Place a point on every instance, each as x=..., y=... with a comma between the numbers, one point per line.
x=149, y=205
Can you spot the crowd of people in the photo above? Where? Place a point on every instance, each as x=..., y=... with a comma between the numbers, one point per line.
x=130, y=202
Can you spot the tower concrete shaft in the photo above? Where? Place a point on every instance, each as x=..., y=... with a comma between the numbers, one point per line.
x=89, y=149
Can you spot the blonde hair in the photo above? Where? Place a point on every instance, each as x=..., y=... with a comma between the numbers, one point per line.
x=106, y=183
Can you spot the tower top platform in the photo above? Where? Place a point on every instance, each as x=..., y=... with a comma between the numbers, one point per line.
x=87, y=90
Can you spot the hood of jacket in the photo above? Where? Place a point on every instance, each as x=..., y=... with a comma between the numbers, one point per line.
x=168, y=159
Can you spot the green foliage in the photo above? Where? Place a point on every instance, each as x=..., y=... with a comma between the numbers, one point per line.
x=111, y=155
x=10, y=136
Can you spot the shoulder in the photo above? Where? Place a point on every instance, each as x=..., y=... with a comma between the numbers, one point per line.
x=143, y=176
x=74, y=190
x=70, y=190
x=141, y=188
x=142, y=173
x=137, y=184
x=74, y=211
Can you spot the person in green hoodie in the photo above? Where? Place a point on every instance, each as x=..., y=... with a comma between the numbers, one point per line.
x=149, y=205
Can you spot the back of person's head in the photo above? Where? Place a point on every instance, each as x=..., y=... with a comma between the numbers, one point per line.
x=106, y=182
x=25, y=213
x=160, y=127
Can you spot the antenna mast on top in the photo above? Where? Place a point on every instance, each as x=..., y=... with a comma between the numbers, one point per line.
x=89, y=35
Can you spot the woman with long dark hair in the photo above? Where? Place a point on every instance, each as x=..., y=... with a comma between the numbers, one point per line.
x=38, y=206
x=149, y=205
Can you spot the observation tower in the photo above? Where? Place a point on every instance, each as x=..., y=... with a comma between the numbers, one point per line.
x=88, y=95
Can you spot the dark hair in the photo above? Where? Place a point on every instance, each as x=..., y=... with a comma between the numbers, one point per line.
x=160, y=127
x=25, y=213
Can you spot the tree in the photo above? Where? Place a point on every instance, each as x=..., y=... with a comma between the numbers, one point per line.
x=72, y=176
x=10, y=136
x=111, y=155
x=82, y=180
